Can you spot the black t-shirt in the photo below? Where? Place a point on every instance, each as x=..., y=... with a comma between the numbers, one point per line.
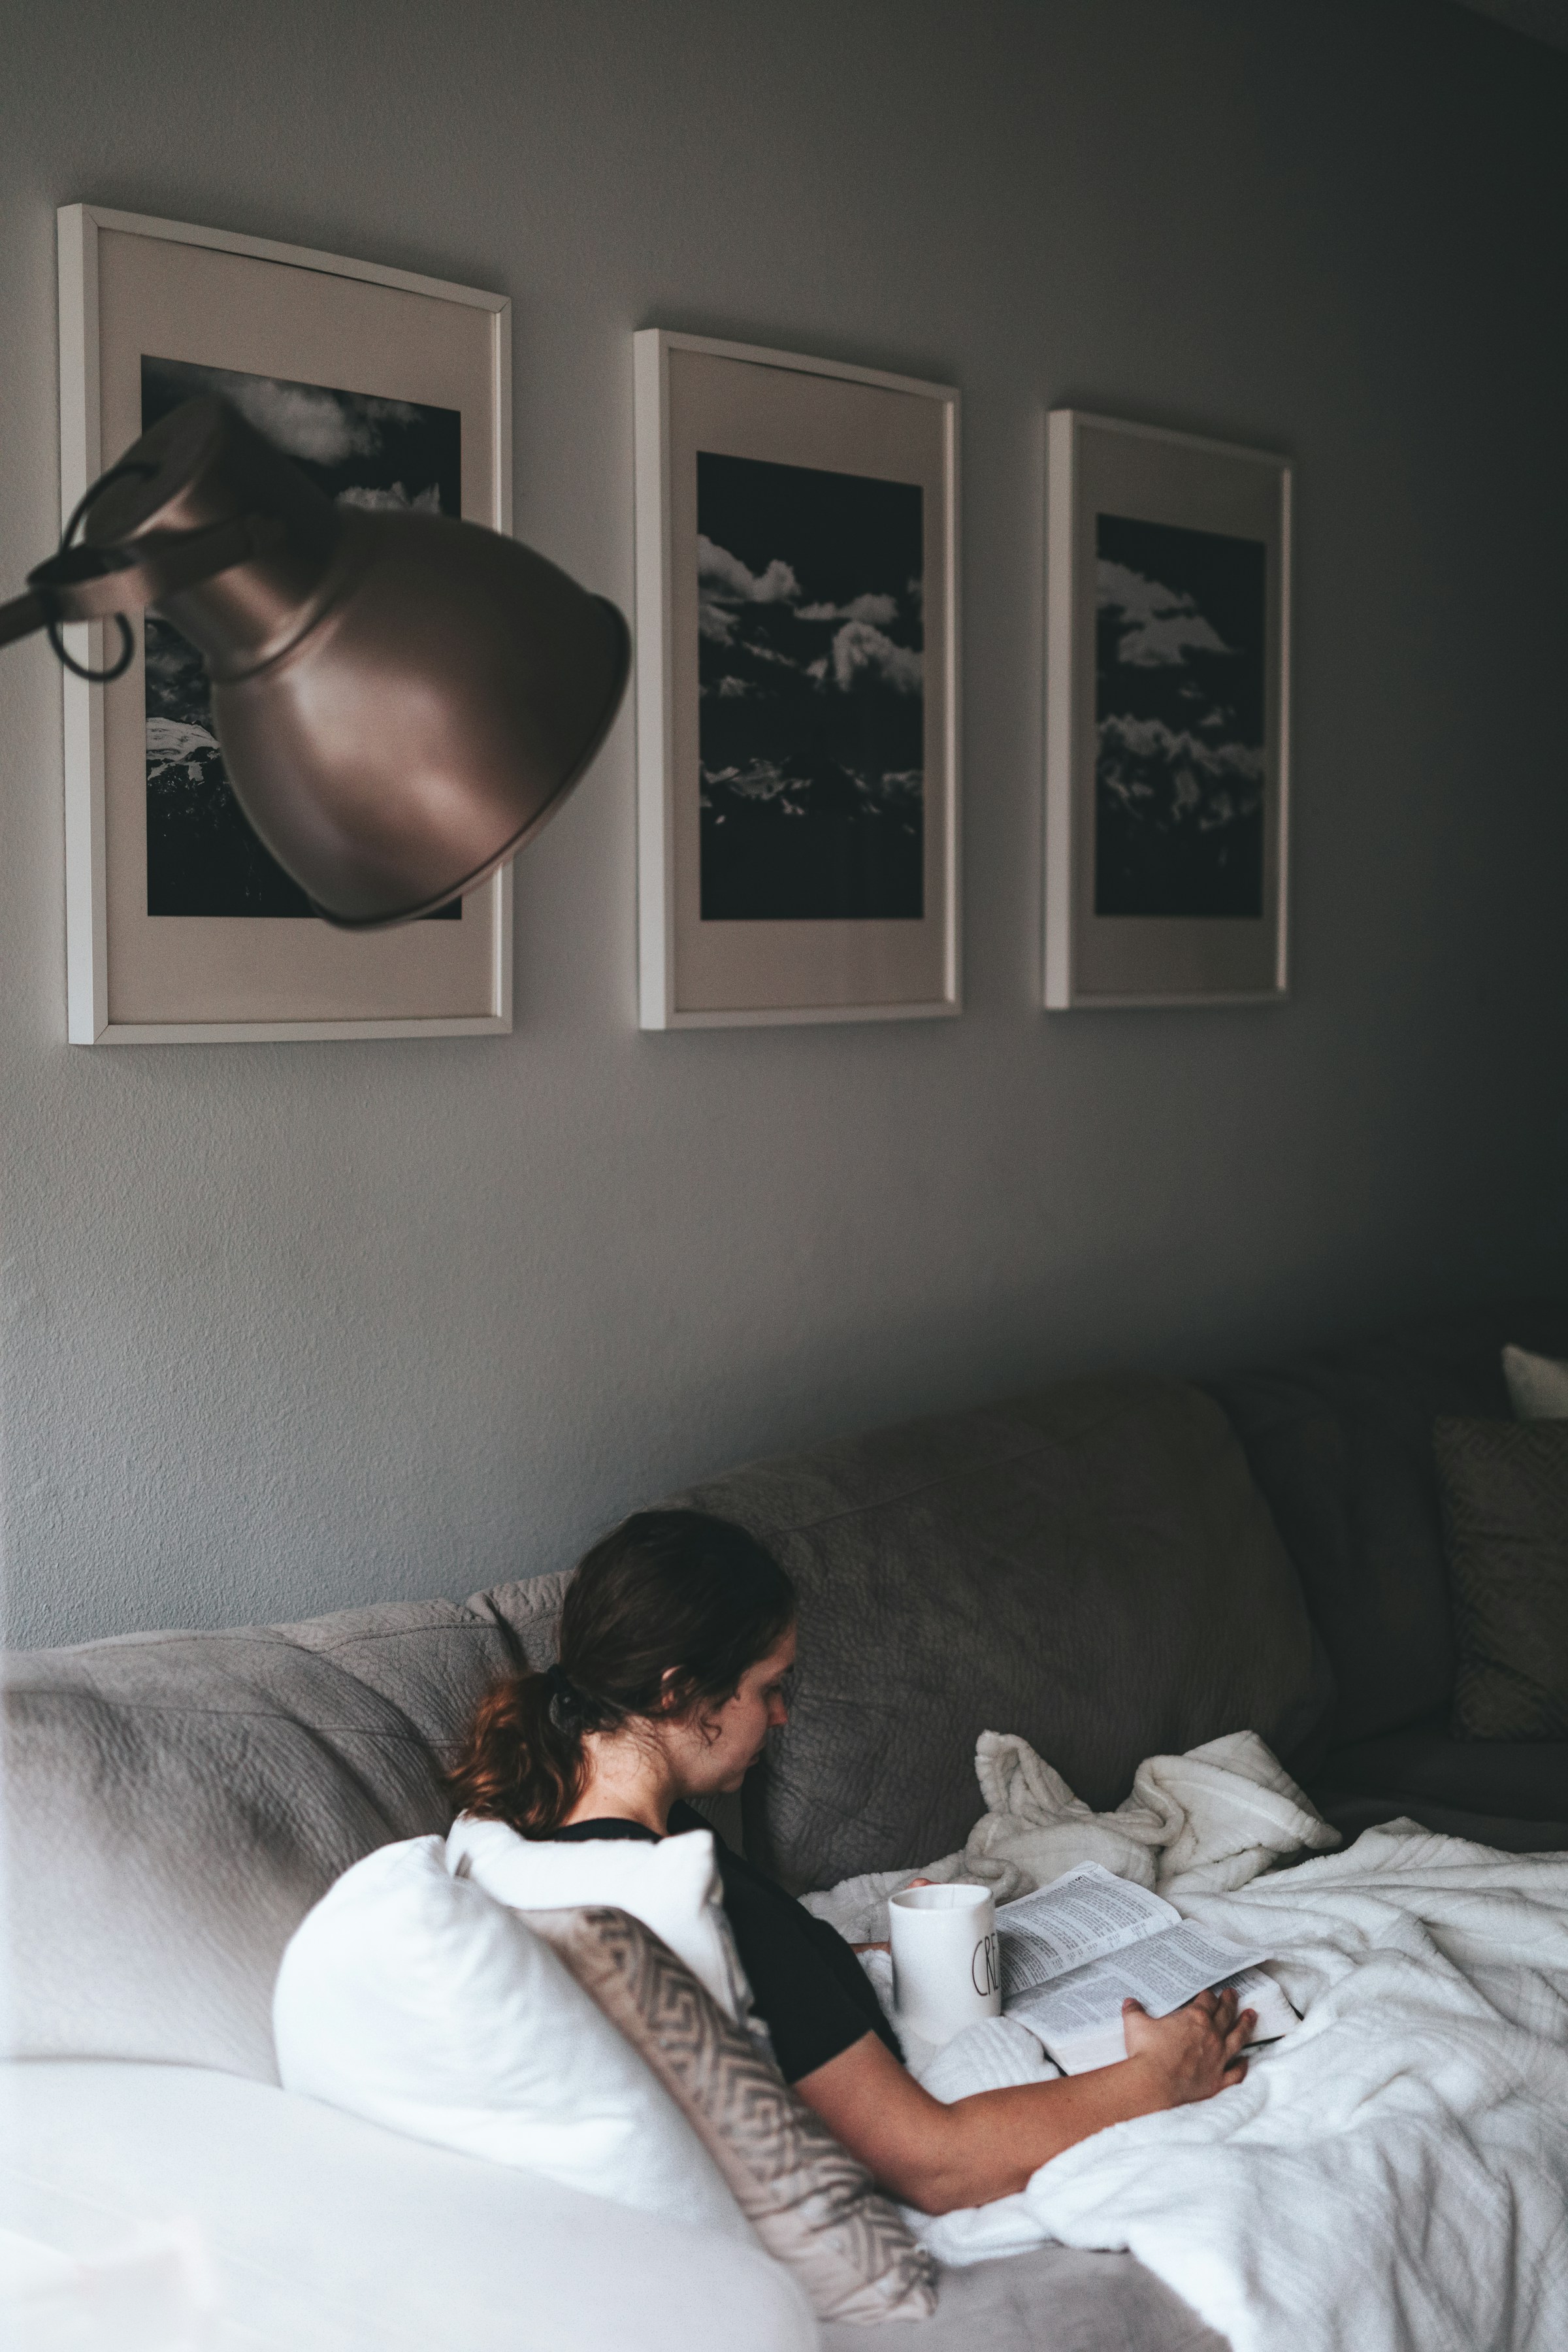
x=806, y=1983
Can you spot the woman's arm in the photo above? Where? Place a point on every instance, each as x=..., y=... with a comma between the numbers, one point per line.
x=942, y=2157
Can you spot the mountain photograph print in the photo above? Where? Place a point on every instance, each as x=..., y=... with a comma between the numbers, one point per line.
x=812, y=693
x=1167, y=717
x=1180, y=762
x=797, y=689
x=202, y=859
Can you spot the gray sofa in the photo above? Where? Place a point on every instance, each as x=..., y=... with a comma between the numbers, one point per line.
x=1115, y=1567
x=1339, y=1443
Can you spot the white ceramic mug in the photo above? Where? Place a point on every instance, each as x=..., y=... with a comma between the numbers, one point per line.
x=947, y=1962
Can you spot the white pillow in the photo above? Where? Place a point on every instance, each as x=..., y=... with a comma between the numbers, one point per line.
x=673, y=1887
x=414, y=1998
x=1537, y=1385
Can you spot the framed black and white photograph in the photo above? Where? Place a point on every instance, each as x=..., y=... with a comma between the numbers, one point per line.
x=387, y=390
x=1167, y=717
x=797, y=689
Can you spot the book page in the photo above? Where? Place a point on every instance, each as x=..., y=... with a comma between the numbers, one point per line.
x=1090, y=2048
x=1081, y=1916
x=1161, y=1972
x=1082, y=2048
x=1166, y=1970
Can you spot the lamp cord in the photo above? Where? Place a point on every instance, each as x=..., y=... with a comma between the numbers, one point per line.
x=128, y=469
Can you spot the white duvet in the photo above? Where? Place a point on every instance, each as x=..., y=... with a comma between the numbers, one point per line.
x=1392, y=2178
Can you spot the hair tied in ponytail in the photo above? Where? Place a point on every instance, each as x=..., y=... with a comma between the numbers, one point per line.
x=566, y=1707
x=663, y=1616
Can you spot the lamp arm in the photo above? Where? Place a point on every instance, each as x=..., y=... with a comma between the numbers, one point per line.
x=20, y=617
x=97, y=584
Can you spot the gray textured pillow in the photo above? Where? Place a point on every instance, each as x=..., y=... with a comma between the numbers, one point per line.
x=1505, y=1510
x=1057, y=1565
x=810, y=2202
x=1537, y=1385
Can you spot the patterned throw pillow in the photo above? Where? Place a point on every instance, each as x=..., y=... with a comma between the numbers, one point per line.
x=809, y=2202
x=1505, y=1510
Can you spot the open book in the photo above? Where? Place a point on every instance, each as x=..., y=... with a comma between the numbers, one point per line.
x=1074, y=1951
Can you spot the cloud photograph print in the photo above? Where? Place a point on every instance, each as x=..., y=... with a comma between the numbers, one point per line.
x=811, y=676
x=202, y=859
x=1180, y=674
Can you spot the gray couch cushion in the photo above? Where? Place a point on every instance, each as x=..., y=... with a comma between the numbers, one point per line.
x=1340, y=1443
x=528, y=1615
x=176, y=1803
x=1505, y=1522
x=1352, y=1811
x=1091, y=1566
x=1054, y=2299
x=1509, y=1793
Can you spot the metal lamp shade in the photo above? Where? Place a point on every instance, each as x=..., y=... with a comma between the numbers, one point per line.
x=402, y=699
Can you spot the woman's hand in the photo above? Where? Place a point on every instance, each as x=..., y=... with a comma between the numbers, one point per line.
x=1195, y=2051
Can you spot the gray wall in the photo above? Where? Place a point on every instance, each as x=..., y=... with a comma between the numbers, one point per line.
x=289, y=1326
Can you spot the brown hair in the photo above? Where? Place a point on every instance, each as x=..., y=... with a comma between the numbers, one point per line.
x=663, y=1614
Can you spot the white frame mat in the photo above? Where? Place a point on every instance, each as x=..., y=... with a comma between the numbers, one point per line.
x=247, y=303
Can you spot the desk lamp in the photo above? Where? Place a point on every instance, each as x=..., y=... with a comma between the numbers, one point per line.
x=402, y=699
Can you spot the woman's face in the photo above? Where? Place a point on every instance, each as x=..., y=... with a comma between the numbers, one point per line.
x=713, y=1749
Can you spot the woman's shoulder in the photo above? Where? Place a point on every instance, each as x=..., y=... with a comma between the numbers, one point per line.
x=571, y=1831
x=684, y=1817
x=473, y=1832
x=743, y=1880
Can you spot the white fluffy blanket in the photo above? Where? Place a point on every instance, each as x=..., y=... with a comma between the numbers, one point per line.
x=1197, y=1824
x=1393, y=2178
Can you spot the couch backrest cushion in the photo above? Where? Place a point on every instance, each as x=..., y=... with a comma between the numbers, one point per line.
x=175, y=1804
x=1091, y=1566
x=529, y=1614
x=1340, y=1443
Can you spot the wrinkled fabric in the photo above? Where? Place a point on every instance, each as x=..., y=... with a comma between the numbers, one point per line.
x=1393, y=2176
x=1201, y=1823
x=995, y=2053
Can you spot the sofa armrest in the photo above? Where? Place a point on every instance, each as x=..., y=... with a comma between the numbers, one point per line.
x=330, y=2231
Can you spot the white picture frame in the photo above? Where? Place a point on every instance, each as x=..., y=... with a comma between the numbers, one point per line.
x=1167, y=822
x=890, y=439
x=257, y=310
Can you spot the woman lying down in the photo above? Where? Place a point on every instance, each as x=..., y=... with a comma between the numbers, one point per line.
x=678, y=1634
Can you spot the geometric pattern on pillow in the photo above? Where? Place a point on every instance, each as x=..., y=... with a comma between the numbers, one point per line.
x=812, y=2204
x=1505, y=1511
